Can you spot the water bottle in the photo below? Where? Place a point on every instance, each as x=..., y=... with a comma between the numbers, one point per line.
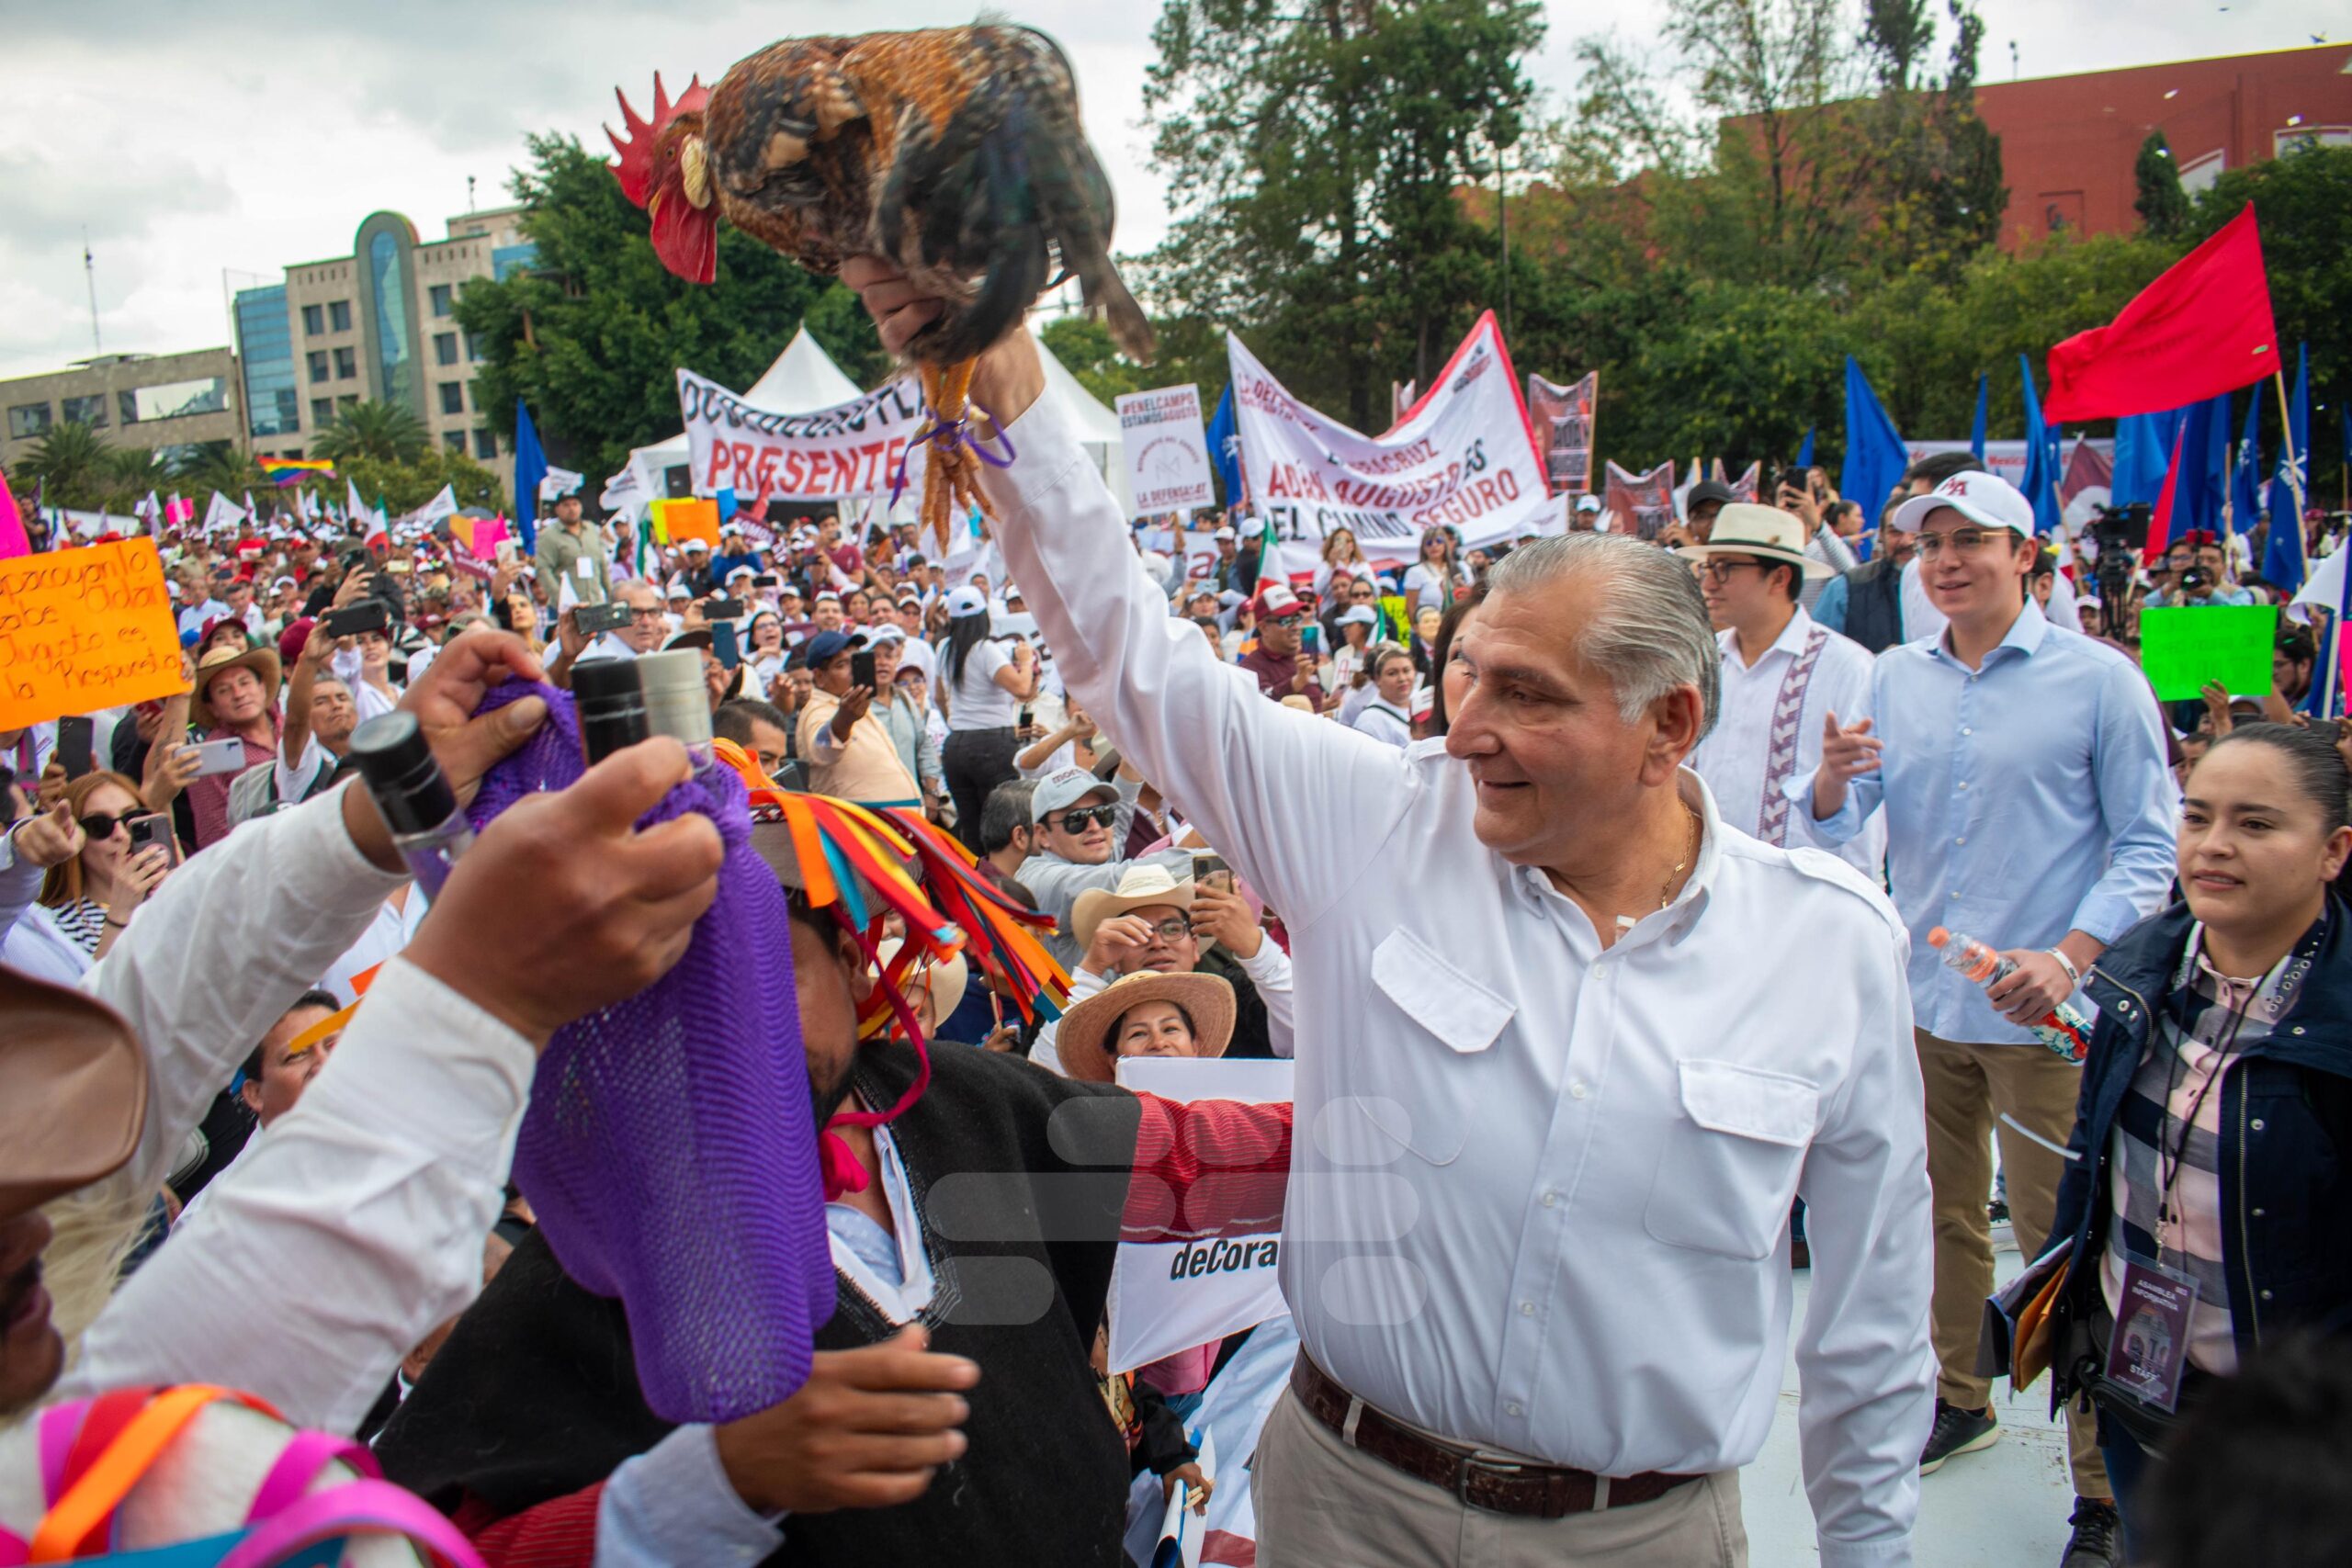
x=2061, y=1029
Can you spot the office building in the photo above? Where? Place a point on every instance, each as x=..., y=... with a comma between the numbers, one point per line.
x=379, y=323
x=170, y=403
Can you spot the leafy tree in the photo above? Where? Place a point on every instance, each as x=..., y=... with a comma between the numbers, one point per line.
x=405, y=484
x=2162, y=205
x=1086, y=351
x=219, y=466
x=387, y=432
x=593, y=335
x=1316, y=152
x=73, y=466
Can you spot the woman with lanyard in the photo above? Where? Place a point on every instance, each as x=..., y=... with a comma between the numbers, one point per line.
x=1387, y=716
x=981, y=690
x=2207, y=1198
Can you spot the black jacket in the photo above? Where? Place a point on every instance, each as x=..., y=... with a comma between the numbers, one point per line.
x=534, y=1395
x=2286, y=1144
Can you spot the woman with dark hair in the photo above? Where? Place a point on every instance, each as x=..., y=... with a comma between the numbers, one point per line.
x=981, y=689
x=2206, y=1199
x=1442, y=677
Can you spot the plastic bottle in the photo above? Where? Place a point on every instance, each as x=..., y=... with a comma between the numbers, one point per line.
x=2061, y=1029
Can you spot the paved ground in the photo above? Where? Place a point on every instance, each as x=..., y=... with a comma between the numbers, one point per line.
x=2005, y=1508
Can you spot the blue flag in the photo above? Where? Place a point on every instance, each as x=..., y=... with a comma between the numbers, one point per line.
x=1984, y=392
x=2142, y=453
x=2245, y=501
x=530, y=468
x=1225, y=448
x=1876, y=458
x=2204, y=464
x=2041, y=485
x=2289, y=499
x=1805, y=451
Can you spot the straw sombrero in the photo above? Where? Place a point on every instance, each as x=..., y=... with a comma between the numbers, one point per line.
x=1079, y=1038
x=261, y=661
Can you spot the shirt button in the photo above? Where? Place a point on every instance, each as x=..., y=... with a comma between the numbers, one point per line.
x=1966, y=730
x=1576, y=1090
x=2258, y=1214
x=1552, y=1201
x=1962, y=839
x=1527, y=1309
x=1595, y=970
x=1963, y=784
x=2265, y=1296
x=1513, y=1408
x=2256, y=1123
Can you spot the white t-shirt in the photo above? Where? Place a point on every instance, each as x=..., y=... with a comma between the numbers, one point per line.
x=979, y=703
x=1425, y=585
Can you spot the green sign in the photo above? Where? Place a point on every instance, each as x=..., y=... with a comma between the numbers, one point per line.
x=2184, y=648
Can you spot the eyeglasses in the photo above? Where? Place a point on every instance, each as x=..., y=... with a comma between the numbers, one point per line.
x=1718, y=568
x=653, y=614
x=1172, y=930
x=99, y=825
x=1100, y=816
x=1967, y=541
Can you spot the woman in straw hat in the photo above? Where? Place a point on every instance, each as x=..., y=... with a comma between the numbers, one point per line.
x=1146, y=1014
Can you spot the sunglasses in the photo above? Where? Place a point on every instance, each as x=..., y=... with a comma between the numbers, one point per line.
x=1100, y=816
x=1293, y=618
x=99, y=825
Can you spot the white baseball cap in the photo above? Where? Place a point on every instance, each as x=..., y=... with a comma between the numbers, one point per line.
x=1588, y=503
x=1983, y=498
x=1225, y=535
x=966, y=601
x=1358, y=615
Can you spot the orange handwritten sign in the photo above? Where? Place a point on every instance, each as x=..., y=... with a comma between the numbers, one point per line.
x=85, y=629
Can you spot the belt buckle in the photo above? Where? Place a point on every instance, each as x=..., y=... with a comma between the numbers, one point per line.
x=1471, y=1464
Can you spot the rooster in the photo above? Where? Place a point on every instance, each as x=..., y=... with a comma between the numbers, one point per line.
x=957, y=153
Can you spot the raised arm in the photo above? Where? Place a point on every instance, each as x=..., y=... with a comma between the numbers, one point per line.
x=1289, y=800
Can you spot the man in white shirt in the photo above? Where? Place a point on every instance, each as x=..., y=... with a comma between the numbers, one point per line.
x=1781, y=675
x=1536, y=1246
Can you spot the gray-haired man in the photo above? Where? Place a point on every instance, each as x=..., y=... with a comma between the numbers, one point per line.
x=1536, y=1246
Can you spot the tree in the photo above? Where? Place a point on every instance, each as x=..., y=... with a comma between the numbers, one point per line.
x=2162, y=205
x=592, y=337
x=1316, y=154
x=405, y=484
x=387, y=432
x=1086, y=351
x=218, y=464
x=71, y=465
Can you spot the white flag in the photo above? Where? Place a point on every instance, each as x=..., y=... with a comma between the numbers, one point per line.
x=442, y=505
x=630, y=491
x=222, y=513
x=354, y=509
x=560, y=482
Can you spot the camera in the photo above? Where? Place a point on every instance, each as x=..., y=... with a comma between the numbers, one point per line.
x=2196, y=580
x=2120, y=533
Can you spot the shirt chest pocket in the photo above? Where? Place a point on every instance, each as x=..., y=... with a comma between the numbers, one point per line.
x=1420, y=1098
x=1728, y=1170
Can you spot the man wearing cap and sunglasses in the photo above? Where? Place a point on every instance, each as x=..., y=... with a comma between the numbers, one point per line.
x=1076, y=814
x=2021, y=770
x=1281, y=669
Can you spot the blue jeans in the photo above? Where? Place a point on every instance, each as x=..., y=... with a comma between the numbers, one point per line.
x=2127, y=1471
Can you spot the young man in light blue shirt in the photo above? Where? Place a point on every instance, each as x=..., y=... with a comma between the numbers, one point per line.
x=2021, y=768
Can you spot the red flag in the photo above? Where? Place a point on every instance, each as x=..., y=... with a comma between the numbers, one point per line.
x=2200, y=330
x=2160, y=523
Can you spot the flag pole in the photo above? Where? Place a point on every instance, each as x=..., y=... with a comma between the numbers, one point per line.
x=2286, y=438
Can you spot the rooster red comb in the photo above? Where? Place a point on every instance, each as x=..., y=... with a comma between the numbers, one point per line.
x=635, y=169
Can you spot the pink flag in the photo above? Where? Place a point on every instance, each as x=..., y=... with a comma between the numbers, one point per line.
x=13, y=541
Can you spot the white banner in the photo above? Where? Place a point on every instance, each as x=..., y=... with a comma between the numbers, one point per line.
x=1168, y=455
x=1171, y=1295
x=1466, y=458
x=560, y=482
x=854, y=448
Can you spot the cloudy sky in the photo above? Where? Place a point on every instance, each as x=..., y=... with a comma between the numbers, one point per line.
x=206, y=147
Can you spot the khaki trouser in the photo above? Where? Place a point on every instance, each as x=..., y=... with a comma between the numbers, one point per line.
x=1321, y=1504
x=1968, y=1088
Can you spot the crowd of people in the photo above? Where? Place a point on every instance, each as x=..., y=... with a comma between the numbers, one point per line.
x=1597, y=889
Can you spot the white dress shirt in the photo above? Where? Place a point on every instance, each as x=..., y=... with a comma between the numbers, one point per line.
x=1543, y=1205
x=356, y=1226
x=1732, y=757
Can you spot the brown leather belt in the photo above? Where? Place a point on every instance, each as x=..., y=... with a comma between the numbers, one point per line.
x=1498, y=1486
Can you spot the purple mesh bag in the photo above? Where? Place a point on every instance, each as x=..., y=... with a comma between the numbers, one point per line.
x=668, y=1148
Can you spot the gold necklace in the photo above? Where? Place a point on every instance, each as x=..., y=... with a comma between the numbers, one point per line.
x=1690, y=850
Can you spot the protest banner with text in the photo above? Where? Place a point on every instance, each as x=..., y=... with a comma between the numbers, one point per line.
x=1640, y=504
x=1169, y=1296
x=1168, y=456
x=1563, y=420
x=1466, y=458
x=85, y=629
x=853, y=448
